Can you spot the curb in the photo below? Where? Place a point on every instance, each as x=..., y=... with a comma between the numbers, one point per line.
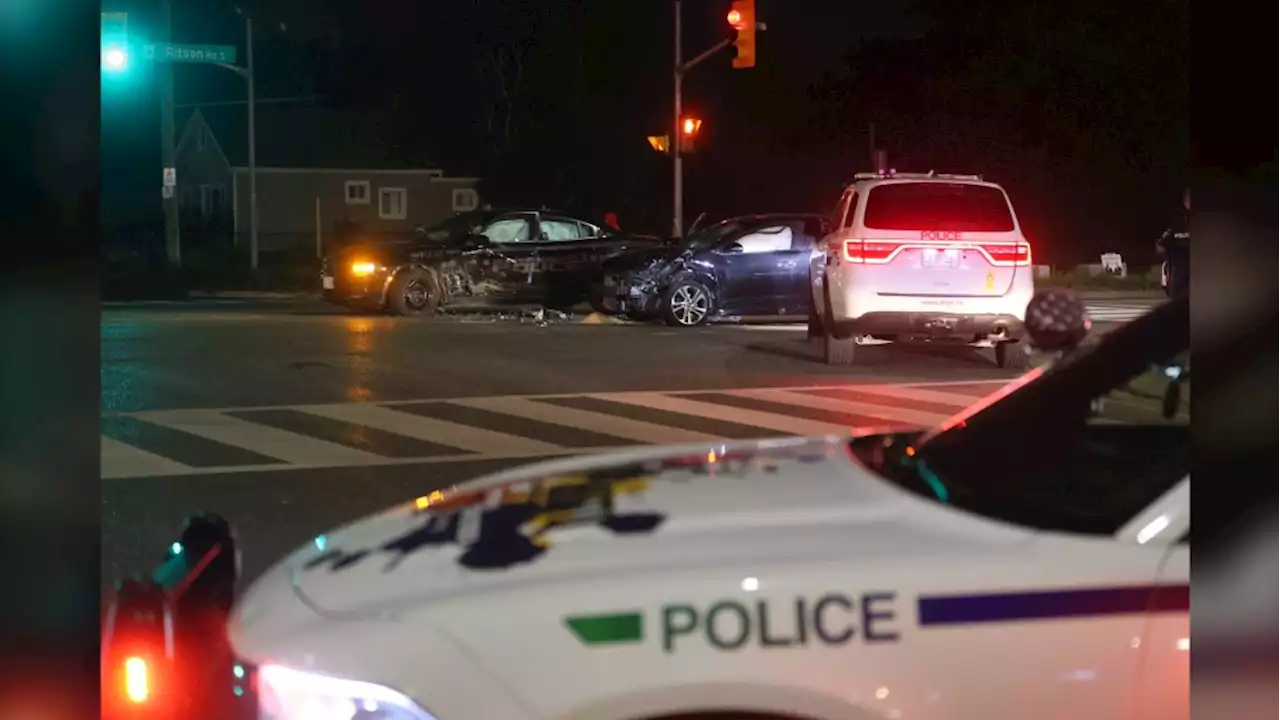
x=250, y=295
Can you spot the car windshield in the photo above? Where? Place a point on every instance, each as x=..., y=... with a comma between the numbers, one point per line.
x=1079, y=448
x=456, y=226
x=708, y=236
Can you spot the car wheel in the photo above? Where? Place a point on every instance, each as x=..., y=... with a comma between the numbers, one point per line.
x=835, y=350
x=687, y=303
x=414, y=292
x=1012, y=356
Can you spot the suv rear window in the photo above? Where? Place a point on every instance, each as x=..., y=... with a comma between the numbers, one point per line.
x=937, y=206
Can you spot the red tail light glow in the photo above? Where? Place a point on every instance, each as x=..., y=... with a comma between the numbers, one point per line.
x=882, y=252
x=1007, y=255
x=137, y=685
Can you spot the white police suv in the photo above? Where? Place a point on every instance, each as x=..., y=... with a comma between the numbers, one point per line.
x=1027, y=559
x=921, y=257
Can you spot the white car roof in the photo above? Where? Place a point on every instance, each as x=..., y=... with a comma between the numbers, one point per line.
x=865, y=180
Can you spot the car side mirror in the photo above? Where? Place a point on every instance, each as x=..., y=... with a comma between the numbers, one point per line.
x=733, y=249
x=1056, y=321
x=475, y=241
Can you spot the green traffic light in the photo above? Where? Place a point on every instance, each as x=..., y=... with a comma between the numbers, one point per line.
x=115, y=58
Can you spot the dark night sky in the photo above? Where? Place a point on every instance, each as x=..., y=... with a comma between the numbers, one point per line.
x=1081, y=112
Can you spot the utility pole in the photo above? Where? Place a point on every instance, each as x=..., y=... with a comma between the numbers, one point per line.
x=169, y=200
x=677, y=181
x=246, y=72
x=253, y=146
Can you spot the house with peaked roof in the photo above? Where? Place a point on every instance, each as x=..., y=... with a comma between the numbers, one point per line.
x=317, y=170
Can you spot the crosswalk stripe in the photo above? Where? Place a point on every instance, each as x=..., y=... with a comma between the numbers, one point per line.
x=769, y=421
x=923, y=394
x=285, y=446
x=125, y=460
x=464, y=437
x=898, y=414
x=636, y=430
x=527, y=426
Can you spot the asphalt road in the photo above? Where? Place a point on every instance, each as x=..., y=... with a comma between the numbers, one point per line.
x=290, y=418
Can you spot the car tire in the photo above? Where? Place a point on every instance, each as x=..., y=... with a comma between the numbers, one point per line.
x=414, y=292
x=687, y=303
x=835, y=350
x=1011, y=356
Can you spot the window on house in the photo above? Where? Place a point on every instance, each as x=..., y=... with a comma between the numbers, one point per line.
x=213, y=199
x=356, y=192
x=202, y=137
x=392, y=203
x=465, y=199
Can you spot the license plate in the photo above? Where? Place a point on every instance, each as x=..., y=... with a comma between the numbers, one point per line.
x=940, y=257
x=328, y=283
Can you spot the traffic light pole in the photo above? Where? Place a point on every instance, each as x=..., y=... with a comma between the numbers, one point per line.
x=677, y=180
x=681, y=67
x=169, y=201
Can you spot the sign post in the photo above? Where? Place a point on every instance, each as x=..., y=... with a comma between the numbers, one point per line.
x=223, y=56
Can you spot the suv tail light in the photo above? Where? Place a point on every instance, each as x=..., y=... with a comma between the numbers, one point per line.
x=874, y=252
x=1008, y=255
x=880, y=252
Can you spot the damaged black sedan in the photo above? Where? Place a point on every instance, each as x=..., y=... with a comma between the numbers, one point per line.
x=752, y=266
x=476, y=259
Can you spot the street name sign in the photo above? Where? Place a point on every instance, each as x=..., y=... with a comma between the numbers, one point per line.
x=174, y=52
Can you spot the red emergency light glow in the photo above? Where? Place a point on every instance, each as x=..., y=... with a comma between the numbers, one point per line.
x=882, y=252
x=137, y=685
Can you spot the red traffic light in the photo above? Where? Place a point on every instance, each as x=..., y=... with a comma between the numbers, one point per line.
x=690, y=126
x=735, y=19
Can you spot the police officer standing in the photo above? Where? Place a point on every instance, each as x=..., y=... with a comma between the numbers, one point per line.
x=1175, y=245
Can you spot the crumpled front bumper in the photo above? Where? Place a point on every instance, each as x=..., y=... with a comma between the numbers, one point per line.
x=626, y=294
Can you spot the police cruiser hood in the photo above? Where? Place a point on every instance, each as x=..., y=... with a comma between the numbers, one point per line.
x=557, y=523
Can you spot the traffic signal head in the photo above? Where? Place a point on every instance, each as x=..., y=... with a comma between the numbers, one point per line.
x=115, y=42
x=689, y=127
x=742, y=18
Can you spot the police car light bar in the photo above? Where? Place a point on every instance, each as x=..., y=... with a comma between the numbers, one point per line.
x=913, y=176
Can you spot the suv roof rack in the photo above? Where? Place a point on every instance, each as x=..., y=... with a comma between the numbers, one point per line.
x=887, y=174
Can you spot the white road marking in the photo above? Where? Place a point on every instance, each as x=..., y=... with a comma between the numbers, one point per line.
x=463, y=437
x=123, y=460
x=285, y=446
x=296, y=451
x=638, y=430
x=726, y=413
x=896, y=414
